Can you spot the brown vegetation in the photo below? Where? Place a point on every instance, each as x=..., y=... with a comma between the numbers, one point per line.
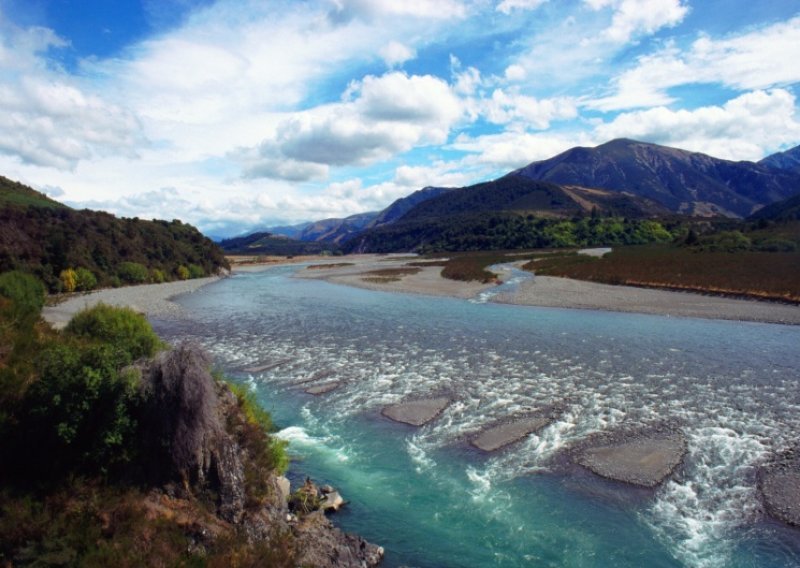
x=387, y=275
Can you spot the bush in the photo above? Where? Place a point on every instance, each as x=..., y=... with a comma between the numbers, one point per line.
x=196, y=271
x=132, y=272
x=123, y=328
x=68, y=279
x=85, y=280
x=183, y=273
x=26, y=295
x=157, y=276
x=79, y=414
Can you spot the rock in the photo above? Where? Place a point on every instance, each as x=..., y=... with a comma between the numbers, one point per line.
x=284, y=488
x=324, y=546
x=780, y=489
x=332, y=502
x=325, y=489
x=644, y=461
x=266, y=367
x=501, y=435
x=416, y=412
x=230, y=473
x=322, y=389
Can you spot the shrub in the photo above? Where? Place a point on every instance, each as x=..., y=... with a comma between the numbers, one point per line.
x=132, y=272
x=79, y=414
x=127, y=331
x=157, y=276
x=85, y=280
x=26, y=295
x=68, y=279
x=183, y=272
x=196, y=271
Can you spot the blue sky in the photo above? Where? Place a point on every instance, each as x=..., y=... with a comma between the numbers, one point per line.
x=235, y=115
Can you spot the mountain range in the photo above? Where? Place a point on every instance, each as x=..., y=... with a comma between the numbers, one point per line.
x=621, y=177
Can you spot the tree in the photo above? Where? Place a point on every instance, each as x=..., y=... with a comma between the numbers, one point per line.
x=25, y=294
x=183, y=273
x=85, y=279
x=133, y=272
x=127, y=331
x=69, y=280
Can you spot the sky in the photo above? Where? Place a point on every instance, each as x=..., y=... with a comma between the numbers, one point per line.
x=236, y=115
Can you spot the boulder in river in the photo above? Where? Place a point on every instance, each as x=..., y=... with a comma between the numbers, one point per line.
x=503, y=434
x=780, y=489
x=323, y=388
x=416, y=412
x=643, y=460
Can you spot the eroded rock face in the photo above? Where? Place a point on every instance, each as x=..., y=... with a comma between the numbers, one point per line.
x=324, y=546
x=780, y=490
x=416, y=412
x=642, y=460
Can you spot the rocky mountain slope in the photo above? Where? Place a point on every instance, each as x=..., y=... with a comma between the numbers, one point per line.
x=788, y=160
x=685, y=182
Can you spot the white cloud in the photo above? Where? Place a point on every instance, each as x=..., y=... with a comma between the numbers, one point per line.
x=515, y=73
x=634, y=17
x=426, y=9
x=395, y=53
x=507, y=6
x=380, y=117
x=46, y=117
x=745, y=128
x=510, y=150
x=754, y=60
x=527, y=112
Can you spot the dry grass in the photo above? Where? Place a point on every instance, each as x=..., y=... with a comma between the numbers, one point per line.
x=387, y=275
x=760, y=275
x=331, y=265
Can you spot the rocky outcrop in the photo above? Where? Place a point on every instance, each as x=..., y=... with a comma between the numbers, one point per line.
x=200, y=435
x=416, y=412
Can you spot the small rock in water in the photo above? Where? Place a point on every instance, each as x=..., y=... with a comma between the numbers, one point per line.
x=332, y=502
x=780, y=489
x=416, y=412
x=645, y=461
x=501, y=435
x=322, y=389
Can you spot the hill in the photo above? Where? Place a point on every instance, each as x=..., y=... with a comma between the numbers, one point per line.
x=788, y=160
x=336, y=230
x=267, y=243
x=400, y=207
x=44, y=237
x=786, y=210
x=685, y=182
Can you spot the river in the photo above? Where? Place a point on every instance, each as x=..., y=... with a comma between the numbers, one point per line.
x=433, y=501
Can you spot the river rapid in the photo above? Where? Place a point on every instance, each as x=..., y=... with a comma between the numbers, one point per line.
x=433, y=501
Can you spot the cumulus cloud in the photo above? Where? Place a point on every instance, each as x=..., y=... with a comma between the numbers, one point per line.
x=509, y=150
x=754, y=60
x=507, y=6
x=744, y=128
x=633, y=17
x=529, y=112
x=379, y=117
x=395, y=53
x=46, y=117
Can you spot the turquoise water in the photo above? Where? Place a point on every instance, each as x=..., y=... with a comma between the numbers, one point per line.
x=432, y=501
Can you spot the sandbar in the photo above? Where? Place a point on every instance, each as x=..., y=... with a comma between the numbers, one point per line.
x=502, y=435
x=416, y=412
x=644, y=461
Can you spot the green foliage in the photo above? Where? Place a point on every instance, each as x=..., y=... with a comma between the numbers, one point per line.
x=43, y=238
x=505, y=231
x=79, y=414
x=85, y=280
x=726, y=241
x=196, y=271
x=26, y=297
x=132, y=273
x=128, y=331
x=158, y=276
x=183, y=273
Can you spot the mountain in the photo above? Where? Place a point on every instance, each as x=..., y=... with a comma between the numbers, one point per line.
x=517, y=212
x=686, y=182
x=405, y=204
x=291, y=231
x=788, y=160
x=786, y=210
x=520, y=194
x=267, y=243
x=336, y=230
x=44, y=237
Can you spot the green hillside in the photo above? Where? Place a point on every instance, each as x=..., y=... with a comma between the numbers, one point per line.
x=43, y=237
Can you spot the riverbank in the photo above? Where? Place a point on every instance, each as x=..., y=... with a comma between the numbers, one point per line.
x=553, y=292
x=150, y=299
